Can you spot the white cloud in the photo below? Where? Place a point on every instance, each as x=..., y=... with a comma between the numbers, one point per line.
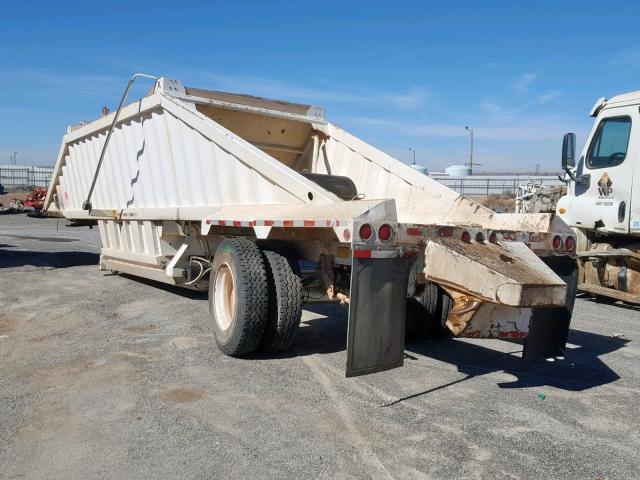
x=540, y=127
x=522, y=83
x=411, y=99
x=548, y=96
x=45, y=83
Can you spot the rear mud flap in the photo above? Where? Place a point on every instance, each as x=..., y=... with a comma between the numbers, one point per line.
x=549, y=327
x=378, y=297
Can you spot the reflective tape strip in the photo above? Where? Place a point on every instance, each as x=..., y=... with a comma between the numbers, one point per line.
x=363, y=253
x=276, y=223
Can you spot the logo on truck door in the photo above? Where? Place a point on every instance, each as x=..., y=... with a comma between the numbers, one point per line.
x=604, y=186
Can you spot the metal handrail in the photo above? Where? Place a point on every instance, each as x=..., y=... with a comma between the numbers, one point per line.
x=86, y=205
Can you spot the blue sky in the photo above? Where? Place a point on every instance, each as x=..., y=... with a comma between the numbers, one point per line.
x=399, y=74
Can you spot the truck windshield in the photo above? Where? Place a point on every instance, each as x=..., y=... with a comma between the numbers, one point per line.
x=609, y=144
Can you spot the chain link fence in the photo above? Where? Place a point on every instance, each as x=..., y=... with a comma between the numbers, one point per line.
x=495, y=184
x=25, y=176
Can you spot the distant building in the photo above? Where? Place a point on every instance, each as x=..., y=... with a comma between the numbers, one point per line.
x=458, y=170
x=420, y=168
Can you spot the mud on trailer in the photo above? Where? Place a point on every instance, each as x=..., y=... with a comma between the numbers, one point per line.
x=268, y=205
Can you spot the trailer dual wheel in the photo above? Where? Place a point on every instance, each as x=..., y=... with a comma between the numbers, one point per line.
x=238, y=297
x=427, y=312
x=285, y=293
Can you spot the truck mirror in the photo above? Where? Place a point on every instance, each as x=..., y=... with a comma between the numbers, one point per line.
x=568, y=150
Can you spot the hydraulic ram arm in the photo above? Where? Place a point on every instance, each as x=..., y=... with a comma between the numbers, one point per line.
x=86, y=205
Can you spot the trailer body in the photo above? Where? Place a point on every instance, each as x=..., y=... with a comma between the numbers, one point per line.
x=176, y=178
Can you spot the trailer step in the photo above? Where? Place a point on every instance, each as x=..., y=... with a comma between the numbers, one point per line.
x=609, y=292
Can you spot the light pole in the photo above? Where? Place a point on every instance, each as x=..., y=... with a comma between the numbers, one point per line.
x=470, y=130
x=13, y=157
x=414, y=154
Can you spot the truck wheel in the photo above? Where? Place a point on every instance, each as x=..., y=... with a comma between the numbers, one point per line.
x=427, y=312
x=283, y=248
x=238, y=296
x=438, y=303
x=284, y=289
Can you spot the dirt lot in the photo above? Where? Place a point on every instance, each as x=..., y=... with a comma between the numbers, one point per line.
x=106, y=376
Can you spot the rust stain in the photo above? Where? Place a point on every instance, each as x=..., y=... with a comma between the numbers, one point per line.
x=496, y=258
x=506, y=258
x=464, y=308
x=182, y=395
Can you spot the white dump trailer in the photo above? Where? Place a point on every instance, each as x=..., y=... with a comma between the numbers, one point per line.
x=269, y=205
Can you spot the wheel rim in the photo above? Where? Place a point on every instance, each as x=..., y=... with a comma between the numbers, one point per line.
x=224, y=296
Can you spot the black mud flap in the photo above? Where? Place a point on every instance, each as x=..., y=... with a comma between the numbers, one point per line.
x=378, y=296
x=549, y=327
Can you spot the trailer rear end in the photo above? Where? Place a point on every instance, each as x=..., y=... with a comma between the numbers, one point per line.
x=239, y=195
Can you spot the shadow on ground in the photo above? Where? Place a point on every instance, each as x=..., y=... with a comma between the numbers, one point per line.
x=11, y=258
x=182, y=291
x=611, y=301
x=580, y=370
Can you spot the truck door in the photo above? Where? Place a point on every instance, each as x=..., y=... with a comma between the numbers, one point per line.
x=609, y=159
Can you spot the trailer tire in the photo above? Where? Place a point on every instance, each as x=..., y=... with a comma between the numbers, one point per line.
x=283, y=248
x=238, y=297
x=285, y=294
x=427, y=313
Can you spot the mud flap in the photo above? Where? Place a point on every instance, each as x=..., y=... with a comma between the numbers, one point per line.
x=549, y=327
x=378, y=296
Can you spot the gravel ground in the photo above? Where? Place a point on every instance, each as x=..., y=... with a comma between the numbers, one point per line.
x=108, y=376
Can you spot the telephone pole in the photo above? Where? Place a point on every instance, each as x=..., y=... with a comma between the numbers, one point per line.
x=414, y=154
x=470, y=164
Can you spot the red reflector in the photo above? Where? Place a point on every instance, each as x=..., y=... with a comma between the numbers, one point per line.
x=362, y=253
x=384, y=232
x=414, y=231
x=365, y=232
x=445, y=232
x=493, y=238
x=557, y=242
x=466, y=237
x=570, y=243
x=479, y=237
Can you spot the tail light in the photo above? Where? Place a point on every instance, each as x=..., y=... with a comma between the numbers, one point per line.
x=466, y=236
x=479, y=237
x=557, y=242
x=445, y=232
x=385, y=232
x=570, y=243
x=493, y=238
x=365, y=232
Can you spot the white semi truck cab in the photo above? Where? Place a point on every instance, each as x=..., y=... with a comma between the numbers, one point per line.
x=603, y=199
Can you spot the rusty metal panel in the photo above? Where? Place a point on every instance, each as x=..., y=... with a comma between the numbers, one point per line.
x=378, y=296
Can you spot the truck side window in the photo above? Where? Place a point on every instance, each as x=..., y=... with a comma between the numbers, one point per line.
x=609, y=144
